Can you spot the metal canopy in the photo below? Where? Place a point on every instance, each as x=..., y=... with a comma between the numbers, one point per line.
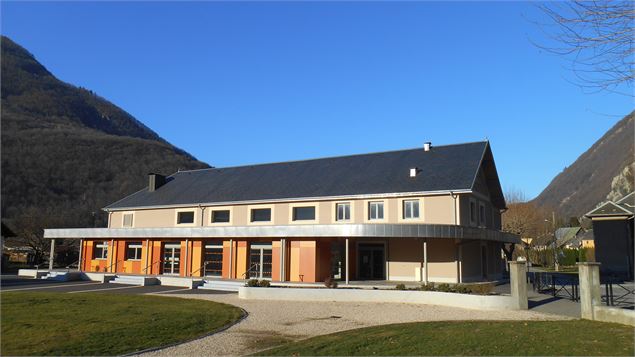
x=321, y=230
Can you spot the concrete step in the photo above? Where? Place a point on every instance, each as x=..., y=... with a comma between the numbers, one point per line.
x=222, y=285
x=61, y=276
x=134, y=280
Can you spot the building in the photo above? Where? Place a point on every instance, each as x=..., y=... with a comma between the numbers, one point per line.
x=425, y=214
x=569, y=237
x=613, y=236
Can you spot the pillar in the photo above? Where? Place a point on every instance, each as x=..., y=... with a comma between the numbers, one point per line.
x=81, y=251
x=52, y=254
x=589, y=274
x=347, y=262
x=518, y=282
x=425, y=262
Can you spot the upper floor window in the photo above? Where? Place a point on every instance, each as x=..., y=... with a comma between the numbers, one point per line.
x=185, y=217
x=220, y=216
x=472, y=212
x=101, y=250
x=261, y=215
x=127, y=219
x=133, y=251
x=304, y=213
x=375, y=210
x=410, y=209
x=343, y=211
x=481, y=214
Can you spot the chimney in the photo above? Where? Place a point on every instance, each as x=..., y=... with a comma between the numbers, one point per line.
x=155, y=181
x=426, y=146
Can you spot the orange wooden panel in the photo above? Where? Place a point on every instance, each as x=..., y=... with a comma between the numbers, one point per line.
x=275, y=260
x=197, y=258
x=121, y=256
x=87, y=255
x=156, y=258
x=307, y=261
x=241, y=259
x=225, y=273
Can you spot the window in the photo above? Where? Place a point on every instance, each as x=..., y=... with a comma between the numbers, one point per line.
x=304, y=213
x=185, y=217
x=472, y=212
x=481, y=214
x=127, y=219
x=133, y=251
x=343, y=211
x=221, y=216
x=375, y=210
x=411, y=209
x=101, y=250
x=261, y=215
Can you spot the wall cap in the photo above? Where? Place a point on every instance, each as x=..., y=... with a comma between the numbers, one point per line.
x=517, y=262
x=589, y=264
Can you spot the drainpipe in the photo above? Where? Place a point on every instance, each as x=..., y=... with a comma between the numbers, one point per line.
x=148, y=257
x=109, y=214
x=455, y=196
x=425, y=261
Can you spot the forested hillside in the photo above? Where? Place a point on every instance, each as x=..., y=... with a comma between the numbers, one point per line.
x=67, y=152
x=604, y=171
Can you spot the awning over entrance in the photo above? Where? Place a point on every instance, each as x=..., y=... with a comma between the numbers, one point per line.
x=321, y=230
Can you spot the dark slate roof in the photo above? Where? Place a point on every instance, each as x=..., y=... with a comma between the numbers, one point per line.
x=443, y=168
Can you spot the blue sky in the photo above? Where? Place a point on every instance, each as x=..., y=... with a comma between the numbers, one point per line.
x=240, y=83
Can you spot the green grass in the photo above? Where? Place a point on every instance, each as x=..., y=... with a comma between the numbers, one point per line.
x=490, y=338
x=103, y=324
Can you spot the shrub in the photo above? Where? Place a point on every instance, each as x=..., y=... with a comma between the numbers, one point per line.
x=481, y=288
x=330, y=283
x=252, y=282
x=264, y=283
x=400, y=287
x=445, y=288
x=462, y=289
x=428, y=287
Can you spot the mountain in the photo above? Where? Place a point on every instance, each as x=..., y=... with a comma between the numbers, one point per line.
x=66, y=152
x=604, y=171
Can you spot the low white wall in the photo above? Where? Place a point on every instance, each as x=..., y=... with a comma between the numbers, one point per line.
x=176, y=281
x=614, y=314
x=32, y=273
x=100, y=277
x=489, y=302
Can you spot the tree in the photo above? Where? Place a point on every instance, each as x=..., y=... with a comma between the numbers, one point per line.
x=596, y=37
x=522, y=218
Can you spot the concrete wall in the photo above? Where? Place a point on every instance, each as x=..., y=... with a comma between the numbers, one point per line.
x=487, y=302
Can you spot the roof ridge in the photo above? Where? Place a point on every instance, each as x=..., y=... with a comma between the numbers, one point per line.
x=327, y=157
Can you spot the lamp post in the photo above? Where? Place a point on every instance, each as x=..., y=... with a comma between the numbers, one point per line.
x=555, y=240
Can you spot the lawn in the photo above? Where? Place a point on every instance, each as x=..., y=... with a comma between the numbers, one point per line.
x=101, y=324
x=490, y=338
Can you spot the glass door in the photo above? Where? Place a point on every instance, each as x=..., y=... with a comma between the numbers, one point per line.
x=213, y=260
x=260, y=261
x=371, y=261
x=171, y=258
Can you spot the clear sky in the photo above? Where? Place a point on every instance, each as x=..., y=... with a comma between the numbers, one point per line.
x=240, y=83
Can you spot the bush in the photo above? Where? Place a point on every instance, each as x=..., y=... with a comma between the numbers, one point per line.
x=444, y=288
x=428, y=287
x=481, y=288
x=252, y=283
x=330, y=283
x=400, y=287
x=462, y=289
x=264, y=283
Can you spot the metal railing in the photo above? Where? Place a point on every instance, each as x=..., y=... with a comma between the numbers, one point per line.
x=199, y=269
x=556, y=284
x=107, y=270
x=618, y=292
x=245, y=274
x=150, y=266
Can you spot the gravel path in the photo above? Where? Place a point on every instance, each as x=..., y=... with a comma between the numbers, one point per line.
x=271, y=323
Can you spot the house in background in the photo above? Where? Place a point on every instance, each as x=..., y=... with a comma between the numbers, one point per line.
x=569, y=237
x=613, y=236
x=425, y=214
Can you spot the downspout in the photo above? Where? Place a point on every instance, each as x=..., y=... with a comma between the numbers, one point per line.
x=455, y=196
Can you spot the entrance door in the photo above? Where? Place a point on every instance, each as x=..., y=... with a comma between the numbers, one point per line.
x=371, y=260
x=171, y=259
x=213, y=260
x=260, y=261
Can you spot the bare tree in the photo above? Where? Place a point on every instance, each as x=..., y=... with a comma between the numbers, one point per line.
x=597, y=38
x=522, y=218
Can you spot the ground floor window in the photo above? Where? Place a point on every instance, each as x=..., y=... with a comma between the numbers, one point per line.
x=260, y=261
x=101, y=250
x=133, y=251
x=213, y=260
